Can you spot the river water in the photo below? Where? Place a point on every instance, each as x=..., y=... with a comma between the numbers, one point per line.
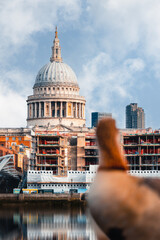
x=46, y=222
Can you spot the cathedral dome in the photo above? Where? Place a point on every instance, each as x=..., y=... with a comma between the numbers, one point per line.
x=55, y=73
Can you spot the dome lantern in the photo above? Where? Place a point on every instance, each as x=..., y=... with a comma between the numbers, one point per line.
x=56, y=49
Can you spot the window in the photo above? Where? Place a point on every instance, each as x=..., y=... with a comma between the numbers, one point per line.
x=19, y=138
x=13, y=138
x=7, y=138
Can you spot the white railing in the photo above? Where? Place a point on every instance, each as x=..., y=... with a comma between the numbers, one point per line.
x=145, y=173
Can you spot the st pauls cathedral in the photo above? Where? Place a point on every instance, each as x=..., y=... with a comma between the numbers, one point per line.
x=56, y=98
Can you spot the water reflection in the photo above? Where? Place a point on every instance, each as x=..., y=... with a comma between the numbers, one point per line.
x=57, y=223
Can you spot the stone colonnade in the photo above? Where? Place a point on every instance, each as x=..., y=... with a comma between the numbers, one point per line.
x=55, y=109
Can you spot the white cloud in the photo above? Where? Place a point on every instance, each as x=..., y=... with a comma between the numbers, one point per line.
x=127, y=25
x=134, y=65
x=105, y=83
x=20, y=19
x=127, y=30
x=13, y=108
x=18, y=80
x=15, y=86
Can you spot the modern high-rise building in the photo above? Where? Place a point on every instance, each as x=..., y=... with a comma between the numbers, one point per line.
x=135, y=117
x=96, y=116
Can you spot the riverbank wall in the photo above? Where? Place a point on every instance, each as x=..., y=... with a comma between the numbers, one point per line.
x=8, y=199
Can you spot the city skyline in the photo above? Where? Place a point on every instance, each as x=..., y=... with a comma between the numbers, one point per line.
x=116, y=63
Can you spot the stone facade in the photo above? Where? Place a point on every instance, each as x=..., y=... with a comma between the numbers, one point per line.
x=44, y=109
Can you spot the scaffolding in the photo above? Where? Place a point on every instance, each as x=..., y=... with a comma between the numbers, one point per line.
x=142, y=151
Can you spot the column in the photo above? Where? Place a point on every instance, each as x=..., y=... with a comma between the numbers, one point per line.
x=61, y=110
x=55, y=109
x=66, y=109
x=83, y=111
x=72, y=109
x=31, y=110
x=27, y=110
x=44, y=109
x=79, y=113
x=35, y=109
x=76, y=110
x=39, y=109
x=79, y=110
x=50, y=109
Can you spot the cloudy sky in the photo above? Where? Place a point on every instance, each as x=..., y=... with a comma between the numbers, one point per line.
x=112, y=45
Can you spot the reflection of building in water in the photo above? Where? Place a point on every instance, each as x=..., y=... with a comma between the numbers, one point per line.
x=58, y=226
x=61, y=227
x=9, y=229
